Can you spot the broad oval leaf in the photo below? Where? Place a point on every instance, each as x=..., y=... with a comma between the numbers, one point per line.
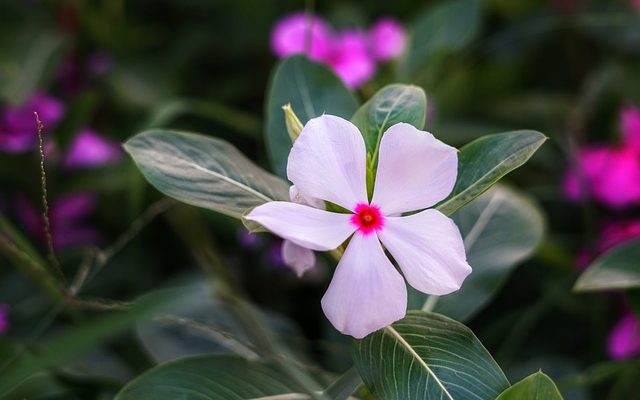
x=484, y=161
x=616, y=269
x=536, y=386
x=390, y=105
x=428, y=356
x=313, y=90
x=203, y=171
x=444, y=29
x=501, y=228
x=211, y=377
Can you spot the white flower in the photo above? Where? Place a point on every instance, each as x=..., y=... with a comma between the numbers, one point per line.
x=415, y=171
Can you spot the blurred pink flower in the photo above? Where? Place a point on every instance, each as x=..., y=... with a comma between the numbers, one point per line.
x=351, y=59
x=4, y=319
x=630, y=125
x=18, y=124
x=67, y=215
x=624, y=339
x=351, y=54
x=387, y=39
x=609, y=174
x=635, y=4
x=90, y=149
x=295, y=32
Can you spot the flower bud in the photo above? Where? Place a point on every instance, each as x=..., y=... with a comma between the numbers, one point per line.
x=294, y=126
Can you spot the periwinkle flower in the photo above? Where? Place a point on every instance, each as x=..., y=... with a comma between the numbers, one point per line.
x=624, y=339
x=609, y=174
x=352, y=54
x=18, y=125
x=351, y=59
x=415, y=171
x=301, y=33
x=67, y=215
x=387, y=39
x=89, y=149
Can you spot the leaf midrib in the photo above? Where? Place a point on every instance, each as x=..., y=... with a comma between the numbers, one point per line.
x=396, y=335
x=220, y=176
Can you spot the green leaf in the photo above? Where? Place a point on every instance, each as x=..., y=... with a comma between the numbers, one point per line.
x=390, y=105
x=344, y=386
x=428, y=356
x=618, y=268
x=210, y=377
x=536, y=386
x=313, y=90
x=203, y=171
x=484, y=161
x=441, y=30
x=501, y=228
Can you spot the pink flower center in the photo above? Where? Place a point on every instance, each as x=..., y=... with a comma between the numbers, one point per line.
x=367, y=218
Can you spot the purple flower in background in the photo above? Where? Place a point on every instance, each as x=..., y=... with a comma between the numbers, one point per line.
x=387, y=39
x=609, y=174
x=351, y=59
x=351, y=54
x=67, y=216
x=18, y=124
x=77, y=72
x=4, y=319
x=612, y=234
x=90, y=150
x=301, y=33
x=635, y=4
x=624, y=339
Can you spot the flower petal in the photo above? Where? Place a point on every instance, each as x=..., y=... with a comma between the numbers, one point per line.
x=328, y=162
x=415, y=170
x=297, y=258
x=366, y=292
x=429, y=250
x=305, y=226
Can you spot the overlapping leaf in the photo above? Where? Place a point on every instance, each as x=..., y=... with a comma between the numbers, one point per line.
x=616, y=269
x=537, y=386
x=203, y=171
x=428, y=356
x=313, y=90
x=484, y=161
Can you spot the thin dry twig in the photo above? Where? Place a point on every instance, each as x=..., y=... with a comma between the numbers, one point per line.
x=51, y=255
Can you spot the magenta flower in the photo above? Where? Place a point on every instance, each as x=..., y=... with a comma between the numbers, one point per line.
x=351, y=54
x=613, y=233
x=415, y=171
x=67, y=216
x=301, y=33
x=351, y=59
x=4, y=319
x=624, y=339
x=387, y=39
x=18, y=124
x=609, y=174
x=90, y=150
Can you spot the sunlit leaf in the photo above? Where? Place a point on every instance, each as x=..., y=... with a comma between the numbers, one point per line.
x=537, y=386
x=203, y=171
x=428, y=356
x=313, y=90
x=484, y=161
x=616, y=269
